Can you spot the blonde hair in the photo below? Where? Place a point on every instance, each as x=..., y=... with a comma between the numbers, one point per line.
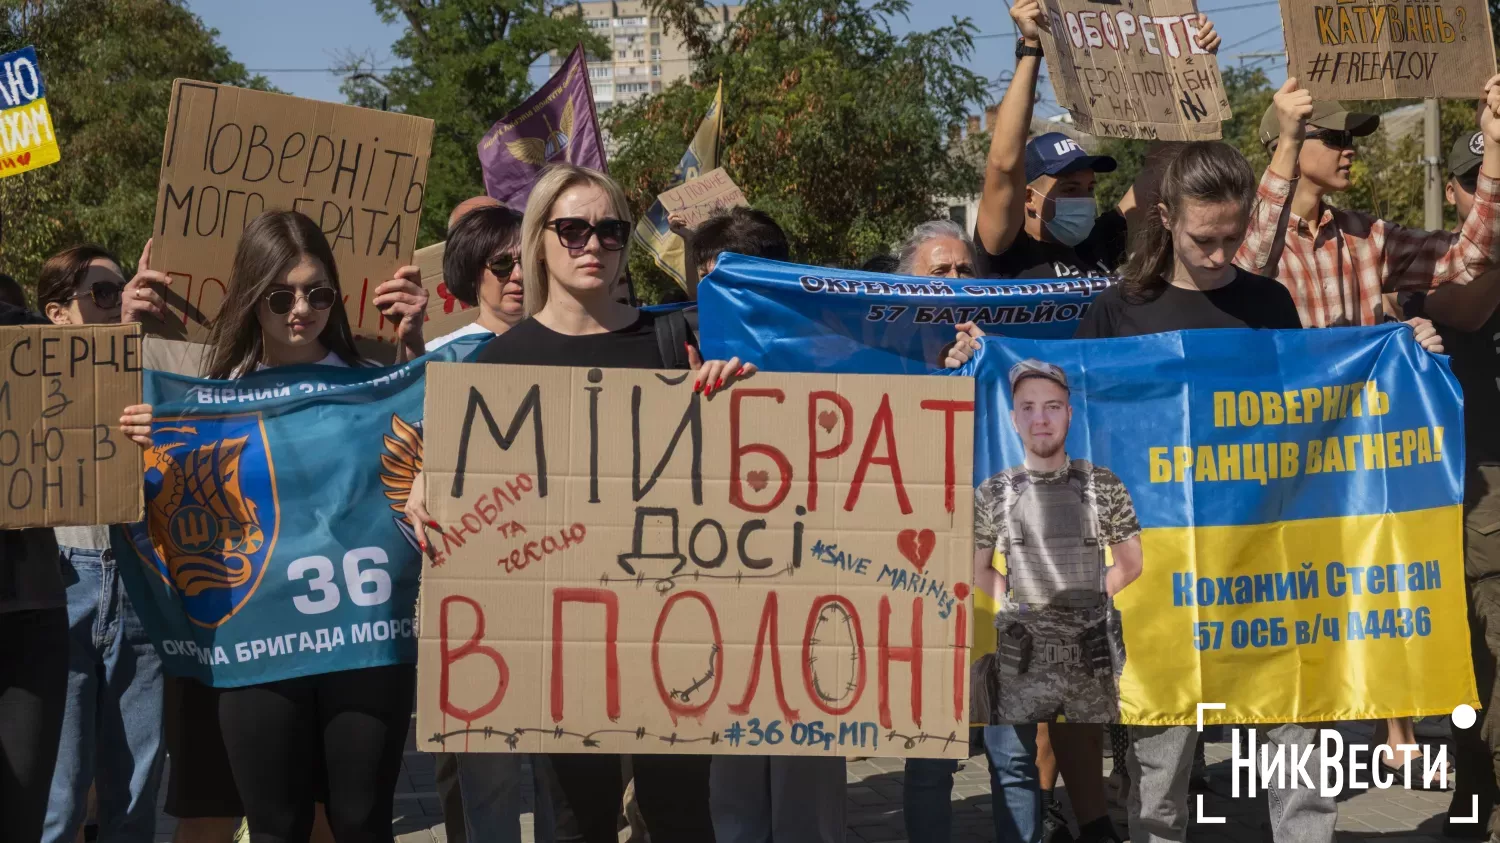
x=554, y=181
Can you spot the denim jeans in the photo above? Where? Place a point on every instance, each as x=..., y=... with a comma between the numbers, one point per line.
x=777, y=799
x=1161, y=759
x=112, y=718
x=491, y=784
x=1015, y=790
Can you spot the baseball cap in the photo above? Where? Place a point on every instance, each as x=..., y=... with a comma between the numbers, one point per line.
x=1466, y=154
x=1326, y=114
x=1034, y=368
x=1056, y=154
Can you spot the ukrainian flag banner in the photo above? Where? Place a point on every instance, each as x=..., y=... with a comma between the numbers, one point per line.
x=1271, y=520
x=275, y=543
x=27, y=139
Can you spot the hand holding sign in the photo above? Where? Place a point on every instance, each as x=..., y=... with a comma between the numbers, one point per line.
x=1208, y=40
x=1030, y=19
x=135, y=423
x=140, y=298
x=402, y=301
x=1489, y=114
x=1294, y=108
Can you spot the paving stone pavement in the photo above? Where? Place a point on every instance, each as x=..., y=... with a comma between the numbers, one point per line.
x=874, y=803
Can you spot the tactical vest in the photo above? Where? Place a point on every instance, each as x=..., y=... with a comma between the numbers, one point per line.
x=1054, y=557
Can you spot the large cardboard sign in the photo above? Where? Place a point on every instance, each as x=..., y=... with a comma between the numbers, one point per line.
x=230, y=154
x=1134, y=71
x=445, y=313
x=63, y=460
x=703, y=197
x=625, y=566
x=27, y=139
x=1364, y=49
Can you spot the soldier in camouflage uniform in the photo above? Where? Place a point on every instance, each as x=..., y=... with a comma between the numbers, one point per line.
x=1060, y=647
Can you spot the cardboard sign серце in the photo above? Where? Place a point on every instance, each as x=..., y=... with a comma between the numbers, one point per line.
x=1134, y=73
x=703, y=197
x=232, y=153
x=1383, y=50
x=63, y=460
x=445, y=313
x=27, y=140
x=625, y=566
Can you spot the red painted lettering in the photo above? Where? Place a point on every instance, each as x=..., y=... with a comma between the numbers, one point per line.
x=846, y=437
x=767, y=628
x=736, y=450
x=859, y=649
x=881, y=423
x=611, y=603
x=471, y=647
x=911, y=654
x=681, y=707
x=949, y=408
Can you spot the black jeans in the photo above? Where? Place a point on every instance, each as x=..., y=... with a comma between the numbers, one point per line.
x=672, y=791
x=33, y=685
x=357, y=720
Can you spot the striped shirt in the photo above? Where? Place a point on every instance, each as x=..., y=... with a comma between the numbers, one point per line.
x=1337, y=275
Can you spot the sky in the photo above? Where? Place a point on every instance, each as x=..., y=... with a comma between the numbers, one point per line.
x=295, y=57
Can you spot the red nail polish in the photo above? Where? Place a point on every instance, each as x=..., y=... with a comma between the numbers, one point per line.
x=434, y=525
x=741, y=372
x=697, y=386
x=720, y=384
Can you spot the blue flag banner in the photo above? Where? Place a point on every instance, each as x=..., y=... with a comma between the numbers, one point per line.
x=791, y=318
x=274, y=544
x=1275, y=517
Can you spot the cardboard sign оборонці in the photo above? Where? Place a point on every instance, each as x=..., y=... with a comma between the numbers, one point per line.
x=1382, y=50
x=627, y=567
x=232, y=153
x=63, y=460
x=1134, y=73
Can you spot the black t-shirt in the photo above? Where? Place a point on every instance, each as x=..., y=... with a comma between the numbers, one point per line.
x=1249, y=301
x=1475, y=358
x=1099, y=254
x=532, y=343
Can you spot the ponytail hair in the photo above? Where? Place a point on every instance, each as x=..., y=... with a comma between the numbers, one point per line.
x=1203, y=171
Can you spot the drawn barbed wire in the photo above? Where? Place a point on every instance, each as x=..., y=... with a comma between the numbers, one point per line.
x=707, y=677
x=854, y=652
x=667, y=583
x=513, y=736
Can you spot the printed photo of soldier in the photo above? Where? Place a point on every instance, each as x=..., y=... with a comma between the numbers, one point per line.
x=1060, y=646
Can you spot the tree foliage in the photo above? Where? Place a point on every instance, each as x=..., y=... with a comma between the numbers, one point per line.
x=108, y=66
x=467, y=62
x=834, y=125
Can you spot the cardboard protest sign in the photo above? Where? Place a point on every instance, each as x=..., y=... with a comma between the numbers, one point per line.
x=703, y=197
x=231, y=154
x=1134, y=72
x=626, y=566
x=1362, y=49
x=63, y=460
x=445, y=313
x=27, y=140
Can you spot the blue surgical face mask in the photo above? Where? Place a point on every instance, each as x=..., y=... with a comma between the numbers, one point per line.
x=1072, y=220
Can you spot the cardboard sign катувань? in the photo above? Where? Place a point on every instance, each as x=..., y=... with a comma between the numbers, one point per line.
x=232, y=153
x=63, y=460
x=626, y=566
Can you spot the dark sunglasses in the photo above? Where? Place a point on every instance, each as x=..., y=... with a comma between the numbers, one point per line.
x=1333, y=138
x=106, y=294
x=281, y=302
x=503, y=265
x=575, y=233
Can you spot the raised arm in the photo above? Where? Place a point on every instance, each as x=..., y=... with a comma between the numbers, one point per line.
x=1002, y=205
x=1266, y=235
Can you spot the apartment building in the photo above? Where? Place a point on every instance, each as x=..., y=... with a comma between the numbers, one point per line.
x=646, y=56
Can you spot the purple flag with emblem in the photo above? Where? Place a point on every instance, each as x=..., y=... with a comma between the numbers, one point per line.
x=557, y=123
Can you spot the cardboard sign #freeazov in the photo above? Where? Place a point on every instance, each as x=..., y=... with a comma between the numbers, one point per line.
x=232, y=153
x=1134, y=71
x=625, y=566
x=63, y=460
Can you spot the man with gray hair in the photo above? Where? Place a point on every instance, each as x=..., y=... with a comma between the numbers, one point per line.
x=937, y=249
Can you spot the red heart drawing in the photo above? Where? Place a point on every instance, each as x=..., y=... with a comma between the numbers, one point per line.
x=758, y=479
x=961, y=590
x=827, y=419
x=24, y=158
x=916, y=547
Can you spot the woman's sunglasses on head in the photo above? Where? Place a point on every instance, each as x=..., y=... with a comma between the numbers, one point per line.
x=575, y=233
x=281, y=302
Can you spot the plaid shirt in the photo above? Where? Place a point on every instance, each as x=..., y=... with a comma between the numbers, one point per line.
x=1337, y=275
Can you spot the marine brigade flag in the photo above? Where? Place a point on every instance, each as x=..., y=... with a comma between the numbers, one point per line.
x=558, y=123
x=653, y=234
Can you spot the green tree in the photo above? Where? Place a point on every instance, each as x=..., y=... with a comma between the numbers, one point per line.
x=834, y=125
x=468, y=62
x=108, y=66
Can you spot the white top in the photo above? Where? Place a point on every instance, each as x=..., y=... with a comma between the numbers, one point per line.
x=467, y=330
x=331, y=360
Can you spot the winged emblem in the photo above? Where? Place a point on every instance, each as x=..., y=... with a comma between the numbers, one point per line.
x=552, y=145
x=402, y=462
x=201, y=523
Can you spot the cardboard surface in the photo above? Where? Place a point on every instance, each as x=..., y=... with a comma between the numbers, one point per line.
x=610, y=560
x=1134, y=71
x=63, y=460
x=445, y=314
x=27, y=139
x=703, y=197
x=1363, y=49
x=231, y=153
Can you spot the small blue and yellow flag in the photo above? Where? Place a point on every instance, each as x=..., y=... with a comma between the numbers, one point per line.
x=27, y=139
x=652, y=233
